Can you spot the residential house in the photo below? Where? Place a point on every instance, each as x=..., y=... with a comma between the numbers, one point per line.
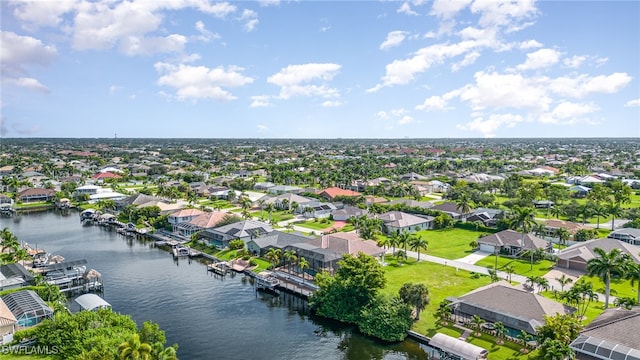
x=206, y=220
x=36, y=194
x=331, y=193
x=87, y=189
x=628, y=235
x=323, y=253
x=275, y=240
x=518, y=310
x=263, y=186
x=284, y=201
x=397, y=221
x=613, y=335
x=102, y=176
x=371, y=200
x=511, y=242
x=411, y=177
x=281, y=189
x=8, y=324
x=488, y=217
x=579, y=191
x=551, y=226
x=348, y=212
x=14, y=276
x=4, y=199
x=6, y=170
x=27, y=307
x=576, y=256
x=244, y=230
x=453, y=210
x=183, y=216
x=412, y=203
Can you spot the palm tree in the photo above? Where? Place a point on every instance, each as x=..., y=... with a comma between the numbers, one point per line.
x=273, y=255
x=133, y=349
x=563, y=235
x=418, y=243
x=523, y=218
x=614, y=210
x=543, y=284
x=289, y=257
x=404, y=239
x=509, y=269
x=394, y=240
x=302, y=265
x=633, y=274
x=599, y=211
x=608, y=266
x=261, y=205
x=477, y=322
x=464, y=203
x=564, y=280
x=416, y=295
x=499, y=328
x=525, y=337
x=162, y=353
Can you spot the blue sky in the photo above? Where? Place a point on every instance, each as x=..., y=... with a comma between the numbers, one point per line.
x=320, y=69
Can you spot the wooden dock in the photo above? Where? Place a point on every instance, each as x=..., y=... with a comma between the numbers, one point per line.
x=220, y=268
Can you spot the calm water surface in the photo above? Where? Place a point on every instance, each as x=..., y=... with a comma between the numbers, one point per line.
x=209, y=317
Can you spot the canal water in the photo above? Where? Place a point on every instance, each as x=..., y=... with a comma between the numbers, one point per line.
x=209, y=317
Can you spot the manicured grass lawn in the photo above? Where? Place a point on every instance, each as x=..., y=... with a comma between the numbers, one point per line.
x=316, y=225
x=449, y=243
x=262, y=264
x=442, y=282
x=347, y=228
x=276, y=216
x=221, y=204
x=595, y=308
x=521, y=266
x=619, y=288
x=509, y=350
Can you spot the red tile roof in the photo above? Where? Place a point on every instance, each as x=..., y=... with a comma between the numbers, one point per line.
x=106, y=175
x=332, y=192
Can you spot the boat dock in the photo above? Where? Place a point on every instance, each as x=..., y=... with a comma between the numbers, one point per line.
x=220, y=268
x=276, y=280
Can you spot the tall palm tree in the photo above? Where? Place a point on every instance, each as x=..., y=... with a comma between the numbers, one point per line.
x=394, y=240
x=133, y=349
x=289, y=257
x=563, y=235
x=499, y=328
x=614, y=209
x=633, y=274
x=302, y=265
x=418, y=243
x=608, y=266
x=464, y=203
x=599, y=211
x=523, y=218
x=509, y=269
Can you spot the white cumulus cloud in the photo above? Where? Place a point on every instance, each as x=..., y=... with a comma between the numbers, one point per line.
x=260, y=101
x=306, y=80
x=540, y=59
x=201, y=82
x=17, y=54
x=489, y=126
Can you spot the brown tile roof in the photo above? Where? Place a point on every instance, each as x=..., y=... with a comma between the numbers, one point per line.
x=347, y=243
x=571, y=227
x=208, y=220
x=37, y=191
x=503, y=298
x=513, y=238
x=6, y=316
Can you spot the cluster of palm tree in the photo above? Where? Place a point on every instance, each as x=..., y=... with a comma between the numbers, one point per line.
x=135, y=349
x=404, y=239
x=367, y=227
x=11, y=250
x=415, y=295
x=539, y=281
x=290, y=258
x=613, y=265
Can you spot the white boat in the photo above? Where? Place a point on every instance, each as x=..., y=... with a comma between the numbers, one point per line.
x=180, y=251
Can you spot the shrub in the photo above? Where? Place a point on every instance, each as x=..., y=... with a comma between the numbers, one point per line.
x=236, y=244
x=253, y=262
x=585, y=234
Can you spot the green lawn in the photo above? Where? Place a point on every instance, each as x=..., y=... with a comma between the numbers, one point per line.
x=316, y=225
x=449, y=243
x=619, y=288
x=521, y=266
x=276, y=216
x=595, y=308
x=442, y=282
